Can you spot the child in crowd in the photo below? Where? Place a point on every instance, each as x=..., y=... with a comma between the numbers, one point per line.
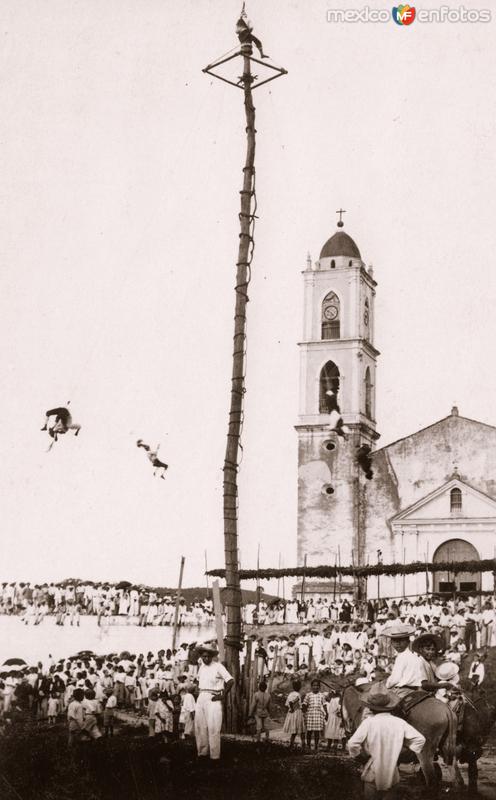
x=187, y=715
x=164, y=715
x=260, y=710
x=294, y=724
x=153, y=696
x=109, y=712
x=334, y=731
x=53, y=708
x=315, y=713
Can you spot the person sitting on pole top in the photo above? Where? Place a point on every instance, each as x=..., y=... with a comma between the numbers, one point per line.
x=63, y=422
x=244, y=31
x=152, y=456
x=214, y=682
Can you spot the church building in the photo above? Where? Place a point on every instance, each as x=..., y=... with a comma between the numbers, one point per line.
x=432, y=495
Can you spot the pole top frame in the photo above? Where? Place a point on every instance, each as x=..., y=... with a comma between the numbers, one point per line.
x=243, y=53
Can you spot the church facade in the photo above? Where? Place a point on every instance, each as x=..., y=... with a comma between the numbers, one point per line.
x=432, y=496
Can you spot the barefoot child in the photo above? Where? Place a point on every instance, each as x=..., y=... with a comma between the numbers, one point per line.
x=315, y=714
x=294, y=724
x=333, y=731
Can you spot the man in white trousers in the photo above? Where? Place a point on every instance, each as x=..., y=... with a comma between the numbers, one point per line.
x=214, y=682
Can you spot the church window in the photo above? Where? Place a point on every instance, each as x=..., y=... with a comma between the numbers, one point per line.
x=333, y=264
x=366, y=317
x=329, y=445
x=328, y=489
x=350, y=263
x=329, y=382
x=331, y=317
x=368, y=393
x=455, y=500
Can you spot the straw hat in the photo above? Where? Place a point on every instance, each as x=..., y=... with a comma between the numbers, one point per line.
x=382, y=701
x=399, y=631
x=208, y=648
x=447, y=671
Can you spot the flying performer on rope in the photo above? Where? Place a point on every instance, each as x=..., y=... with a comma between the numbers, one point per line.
x=244, y=31
x=336, y=423
x=62, y=424
x=152, y=456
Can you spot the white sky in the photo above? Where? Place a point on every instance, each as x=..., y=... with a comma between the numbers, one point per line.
x=121, y=166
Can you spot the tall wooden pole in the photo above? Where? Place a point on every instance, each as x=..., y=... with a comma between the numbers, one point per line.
x=303, y=579
x=233, y=588
x=206, y=574
x=219, y=626
x=258, y=578
x=247, y=82
x=178, y=600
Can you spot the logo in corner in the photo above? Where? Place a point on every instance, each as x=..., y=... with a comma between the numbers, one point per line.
x=403, y=15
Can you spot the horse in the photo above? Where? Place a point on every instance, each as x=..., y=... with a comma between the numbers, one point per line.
x=434, y=720
x=478, y=718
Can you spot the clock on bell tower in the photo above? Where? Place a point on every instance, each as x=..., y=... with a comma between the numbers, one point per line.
x=338, y=359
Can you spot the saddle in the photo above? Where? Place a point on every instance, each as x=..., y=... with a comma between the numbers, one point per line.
x=412, y=700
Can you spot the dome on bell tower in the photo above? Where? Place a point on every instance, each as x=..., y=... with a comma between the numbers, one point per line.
x=340, y=244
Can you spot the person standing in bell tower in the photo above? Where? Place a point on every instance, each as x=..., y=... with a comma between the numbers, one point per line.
x=337, y=400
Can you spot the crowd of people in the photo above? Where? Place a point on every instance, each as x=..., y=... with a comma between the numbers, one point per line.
x=70, y=600
x=177, y=691
x=356, y=648
x=470, y=622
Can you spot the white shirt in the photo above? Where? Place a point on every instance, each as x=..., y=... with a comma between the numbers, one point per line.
x=213, y=676
x=383, y=736
x=406, y=670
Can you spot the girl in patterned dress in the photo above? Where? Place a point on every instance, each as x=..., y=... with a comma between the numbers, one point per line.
x=294, y=724
x=314, y=706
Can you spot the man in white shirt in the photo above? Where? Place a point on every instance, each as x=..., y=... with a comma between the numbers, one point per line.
x=214, y=681
x=487, y=623
x=382, y=737
x=405, y=676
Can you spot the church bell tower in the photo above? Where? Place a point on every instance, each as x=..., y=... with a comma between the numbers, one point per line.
x=337, y=353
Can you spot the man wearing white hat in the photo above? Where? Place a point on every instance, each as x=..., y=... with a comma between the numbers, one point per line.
x=214, y=681
x=405, y=675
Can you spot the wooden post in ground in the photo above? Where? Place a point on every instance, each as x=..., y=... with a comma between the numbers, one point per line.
x=303, y=579
x=178, y=600
x=273, y=669
x=206, y=575
x=219, y=626
x=258, y=580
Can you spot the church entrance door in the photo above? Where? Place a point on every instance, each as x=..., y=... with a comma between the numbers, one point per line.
x=456, y=550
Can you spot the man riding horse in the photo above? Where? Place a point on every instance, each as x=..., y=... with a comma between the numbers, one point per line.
x=414, y=680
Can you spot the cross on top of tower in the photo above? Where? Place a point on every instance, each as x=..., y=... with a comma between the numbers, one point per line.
x=341, y=211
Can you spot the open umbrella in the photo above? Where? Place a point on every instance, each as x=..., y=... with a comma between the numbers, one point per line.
x=15, y=662
x=124, y=585
x=125, y=654
x=84, y=653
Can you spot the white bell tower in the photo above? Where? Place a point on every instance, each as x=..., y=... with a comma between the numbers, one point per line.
x=337, y=352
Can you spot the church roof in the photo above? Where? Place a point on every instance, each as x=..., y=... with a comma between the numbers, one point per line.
x=453, y=417
x=340, y=244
